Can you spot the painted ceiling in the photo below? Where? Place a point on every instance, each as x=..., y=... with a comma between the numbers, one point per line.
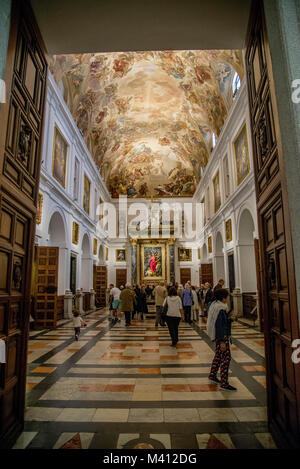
x=148, y=117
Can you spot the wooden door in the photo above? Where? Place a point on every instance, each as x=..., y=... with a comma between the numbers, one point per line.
x=46, y=281
x=185, y=275
x=121, y=277
x=258, y=281
x=73, y=270
x=206, y=274
x=277, y=278
x=100, y=284
x=231, y=272
x=21, y=120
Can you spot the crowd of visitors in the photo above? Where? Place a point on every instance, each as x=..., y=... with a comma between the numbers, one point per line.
x=174, y=303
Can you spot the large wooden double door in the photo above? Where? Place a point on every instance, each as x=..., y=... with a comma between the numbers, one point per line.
x=21, y=120
x=206, y=274
x=277, y=277
x=100, y=284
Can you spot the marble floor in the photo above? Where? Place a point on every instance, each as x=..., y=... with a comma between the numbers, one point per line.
x=120, y=387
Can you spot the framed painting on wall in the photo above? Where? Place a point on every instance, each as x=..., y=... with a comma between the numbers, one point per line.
x=228, y=230
x=217, y=192
x=95, y=246
x=59, y=158
x=153, y=261
x=75, y=233
x=199, y=254
x=241, y=154
x=39, y=209
x=106, y=254
x=120, y=255
x=209, y=242
x=184, y=254
x=86, y=194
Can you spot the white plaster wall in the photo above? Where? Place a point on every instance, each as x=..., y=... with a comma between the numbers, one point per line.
x=59, y=199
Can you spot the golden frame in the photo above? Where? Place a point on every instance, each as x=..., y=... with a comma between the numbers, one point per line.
x=95, y=246
x=58, y=132
x=106, y=254
x=153, y=245
x=240, y=180
x=209, y=242
x=228, y=230
x=86, y=185
x=75, y=233
x=216, y=183
x=39, y=209
x=118, y=252
x=180, y=255
x=199, y=254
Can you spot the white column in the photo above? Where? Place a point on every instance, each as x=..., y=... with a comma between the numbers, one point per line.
x=63, y=270
x=68, y=314
x=92, y=299
x=79, y=301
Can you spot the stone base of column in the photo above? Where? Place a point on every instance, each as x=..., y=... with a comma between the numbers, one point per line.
x=79, y=302
x=237, y=302
x=92, y=299
x=68, y=302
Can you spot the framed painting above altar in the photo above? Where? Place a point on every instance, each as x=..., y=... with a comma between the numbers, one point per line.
x=153, y=262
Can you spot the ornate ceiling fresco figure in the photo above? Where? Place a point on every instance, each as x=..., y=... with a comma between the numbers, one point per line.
x=148, y=117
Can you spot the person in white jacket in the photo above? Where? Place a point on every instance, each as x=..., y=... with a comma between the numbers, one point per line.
x=174, y=313
x=77, y=323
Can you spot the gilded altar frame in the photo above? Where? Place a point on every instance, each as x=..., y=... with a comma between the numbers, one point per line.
x=165, y=271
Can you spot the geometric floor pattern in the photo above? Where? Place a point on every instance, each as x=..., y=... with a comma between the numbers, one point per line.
x=119, y=388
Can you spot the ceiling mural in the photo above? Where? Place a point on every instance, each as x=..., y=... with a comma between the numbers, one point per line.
x=148, y=117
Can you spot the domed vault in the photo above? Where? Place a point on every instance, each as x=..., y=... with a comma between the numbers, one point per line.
x=148, y=117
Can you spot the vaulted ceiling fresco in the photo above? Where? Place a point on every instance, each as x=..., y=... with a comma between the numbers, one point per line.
x=148, y=117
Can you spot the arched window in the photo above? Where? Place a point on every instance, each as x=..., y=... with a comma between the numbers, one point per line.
x=236, y=84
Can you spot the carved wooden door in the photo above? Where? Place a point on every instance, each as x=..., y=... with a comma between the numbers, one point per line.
x=20, y=149
x=121, y=277
x=100, y=284
x=277, y=277
x=46, y=282
x=206, y=274
x=185, y=275
x=231, y=272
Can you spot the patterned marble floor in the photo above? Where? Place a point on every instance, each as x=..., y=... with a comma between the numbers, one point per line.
x=121, y=387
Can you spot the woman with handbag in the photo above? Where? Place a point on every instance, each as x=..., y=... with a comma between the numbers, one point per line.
x=172, y=313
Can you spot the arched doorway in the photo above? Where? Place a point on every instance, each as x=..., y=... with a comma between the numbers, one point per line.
x=246, y=253
x=57, y=238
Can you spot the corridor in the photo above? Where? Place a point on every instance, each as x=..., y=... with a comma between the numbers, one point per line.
x=123, y=387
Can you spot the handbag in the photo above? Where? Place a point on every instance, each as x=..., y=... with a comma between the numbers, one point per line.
x=164, y=310
x=163, y=314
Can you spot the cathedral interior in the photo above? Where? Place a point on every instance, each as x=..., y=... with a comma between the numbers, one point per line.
x=144, y=148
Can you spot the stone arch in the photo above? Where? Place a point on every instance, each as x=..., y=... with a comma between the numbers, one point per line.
x=57, y=238
x=57, y=230
x=247, y=266
x=86, y=263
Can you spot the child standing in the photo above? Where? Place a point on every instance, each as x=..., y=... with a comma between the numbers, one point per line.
x=77, y=323
x=219, y=330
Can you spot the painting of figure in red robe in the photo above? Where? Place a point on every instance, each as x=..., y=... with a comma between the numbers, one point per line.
x=153, y=261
